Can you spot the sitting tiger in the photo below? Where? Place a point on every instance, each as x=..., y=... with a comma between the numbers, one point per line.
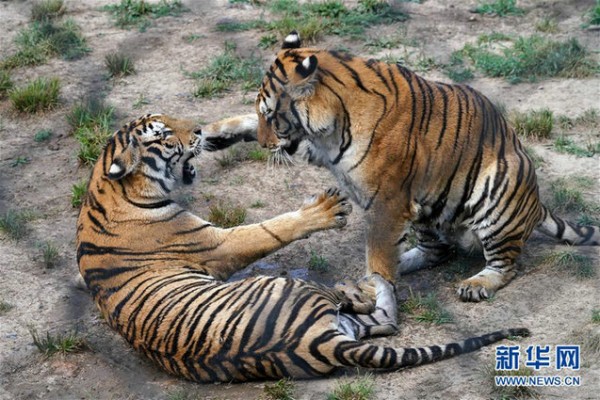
x=437, y=157
x=158, y=275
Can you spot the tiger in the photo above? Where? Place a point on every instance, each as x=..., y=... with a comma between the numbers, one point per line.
x=159, y=274
x=432, y=158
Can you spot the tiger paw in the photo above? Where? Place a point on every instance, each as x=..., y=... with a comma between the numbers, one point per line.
x=353, y=298
x=189, y=173
x=328, y=210
x=483, y=285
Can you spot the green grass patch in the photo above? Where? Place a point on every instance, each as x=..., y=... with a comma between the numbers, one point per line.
x=589, y=118
x=580, y=265
x=6, y=83
x=427, y=309
x=493, y=37
x=587, y=219
x=119, y=65
x=240, y=153
x=596, y=316
x=547, y=25
x=225, y=70
x=230, y=25
x=42, y=40
x=47, y=10
x=592, y=16
x=259, y=154
x=5, y=307
x=383, y=42
x=360, y=388
x=585, y=124
x=459, y=73
x=91, y=143
x=40, y=94
x=20, y=160
x=141, y=101
x=78, y=192
x=331, y=17
x=226, y=215
x=529, y=58
x=50, y=254
x=500, y=8
x=64, y=343
x=567, y=196
x=267, y=41
x=139, y=13
x=210, y=87
x=283, y=389
x=258, y=204
x=91, y=122
x=563, y=144
x=191, y=38
x=536, y=124
x=90, y=112
x=317, y=262
x=14, y=223
x=42, y=135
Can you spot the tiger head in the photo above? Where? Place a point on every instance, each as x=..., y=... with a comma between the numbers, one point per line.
x=153, y=152
x=281, y=104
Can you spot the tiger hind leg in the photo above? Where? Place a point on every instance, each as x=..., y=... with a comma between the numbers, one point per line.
x=380, y=322
x=431, y=250
x=500, y=255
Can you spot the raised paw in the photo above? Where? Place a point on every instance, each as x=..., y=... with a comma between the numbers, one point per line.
x=353, y=299
x=224, y=133
x=483, y=285
x=188, y=173
x=329, y=209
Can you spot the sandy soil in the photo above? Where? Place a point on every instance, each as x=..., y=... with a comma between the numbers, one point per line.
x=553, y=303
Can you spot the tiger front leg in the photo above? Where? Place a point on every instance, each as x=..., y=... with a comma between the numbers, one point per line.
x=224, y=133
x=385, y=229
x=237, y=247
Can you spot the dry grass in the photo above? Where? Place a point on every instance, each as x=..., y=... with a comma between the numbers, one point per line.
x=39, y=95
x=226, y=215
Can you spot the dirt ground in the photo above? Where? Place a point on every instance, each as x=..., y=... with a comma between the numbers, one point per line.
x=554, y=304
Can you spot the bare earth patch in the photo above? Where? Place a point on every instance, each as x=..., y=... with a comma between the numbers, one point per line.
x=555, y=304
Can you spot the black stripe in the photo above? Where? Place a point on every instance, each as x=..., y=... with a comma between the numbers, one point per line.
x=444, y=116
x=273, y=235
x=354, y=76
x=193, y=230
x=373, y=132
x=370, y=201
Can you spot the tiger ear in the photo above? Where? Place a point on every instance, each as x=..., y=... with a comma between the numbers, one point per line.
x=307, y=67
x=125, y=162
x=303, y=84
x=291, y=41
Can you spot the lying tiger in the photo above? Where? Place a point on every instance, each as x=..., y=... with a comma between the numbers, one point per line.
x=158, y=275
x=438, y=157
